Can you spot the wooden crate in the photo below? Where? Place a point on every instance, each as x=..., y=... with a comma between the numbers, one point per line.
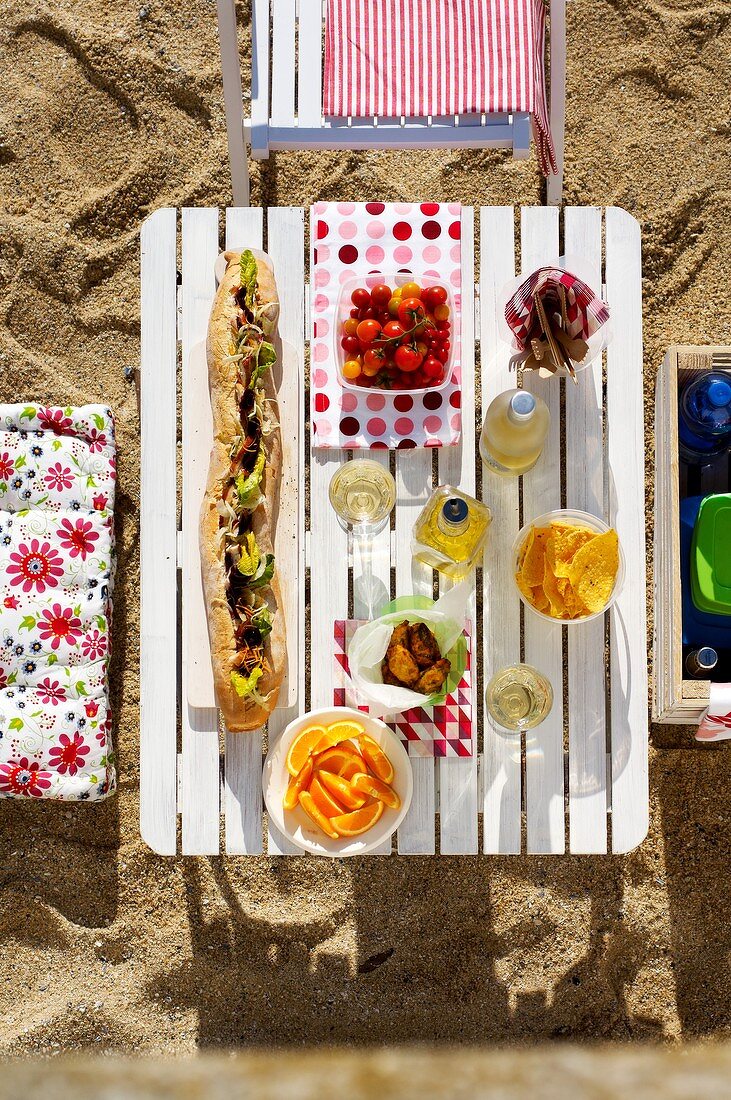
x=675, y=699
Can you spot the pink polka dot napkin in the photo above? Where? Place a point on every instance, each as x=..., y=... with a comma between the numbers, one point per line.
x=370, y=238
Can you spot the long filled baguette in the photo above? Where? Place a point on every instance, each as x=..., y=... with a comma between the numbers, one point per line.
x=238, y=517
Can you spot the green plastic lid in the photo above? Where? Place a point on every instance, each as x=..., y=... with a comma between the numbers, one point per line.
x=710, y=558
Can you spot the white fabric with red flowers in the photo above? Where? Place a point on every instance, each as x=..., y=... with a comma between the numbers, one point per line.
x=57, y=479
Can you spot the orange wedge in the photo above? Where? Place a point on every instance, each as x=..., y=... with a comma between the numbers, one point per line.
x=376, y=758
x=376, y=788
x=325, y=802
x=359, y=821
x=335, y=759
x=342, y=789
x=302, y=747
x=351, y=767
x=308, y=804
x=344, y=730
x=297, y=784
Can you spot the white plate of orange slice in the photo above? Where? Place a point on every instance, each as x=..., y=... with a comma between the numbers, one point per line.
x=337, y=782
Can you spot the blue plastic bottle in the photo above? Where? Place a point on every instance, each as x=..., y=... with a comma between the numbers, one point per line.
x=704, y=421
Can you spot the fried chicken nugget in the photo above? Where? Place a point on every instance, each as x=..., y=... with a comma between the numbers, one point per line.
x=388, y=676
x=423, y=645
x=402, y=665
x=400, y=635
x=433, y=679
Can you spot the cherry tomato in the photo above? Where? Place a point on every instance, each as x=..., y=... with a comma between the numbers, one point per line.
x=350, y=327
x=431, y=367
x=381, y=295
x=393, y=330
x=351, y=369
x=368, y=330
x=350, y=344
x=407, y=358
x=419, y=378
x=437, y=295
x=367, y=314
x=441, y=313
x=441, y=354
x=361, y=298
x=446, y=345
x=393, y=306
x=411, y=290
x=411, y=312
x=374, y=357
x=370, y=372
x=355, y=313
x=422, y=350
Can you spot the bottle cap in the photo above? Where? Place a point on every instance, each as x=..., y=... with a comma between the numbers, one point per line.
x=455, y=510
x=706, y=657
x=719, y=393
x=523, y=405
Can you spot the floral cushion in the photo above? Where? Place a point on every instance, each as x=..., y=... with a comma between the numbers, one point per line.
x=57, y=478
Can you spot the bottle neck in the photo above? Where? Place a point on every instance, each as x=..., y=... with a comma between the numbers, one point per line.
x=519, y=419
x=453, y=525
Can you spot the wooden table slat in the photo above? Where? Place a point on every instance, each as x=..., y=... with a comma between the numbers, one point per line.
x=585, y=490
x=543, y=640
x=501, y=780
x=200, y=775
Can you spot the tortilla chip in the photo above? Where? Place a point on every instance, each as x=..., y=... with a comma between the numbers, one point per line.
x=555, y=599
x=533, y=560
x=567, y=541
x=575, y=609
x=540, y=599
x=594, y=569
x=524, y=588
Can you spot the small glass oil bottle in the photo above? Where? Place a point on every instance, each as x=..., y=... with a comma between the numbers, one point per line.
x=450, y=532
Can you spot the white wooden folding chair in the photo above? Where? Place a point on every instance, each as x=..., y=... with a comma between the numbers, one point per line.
x=292, y=58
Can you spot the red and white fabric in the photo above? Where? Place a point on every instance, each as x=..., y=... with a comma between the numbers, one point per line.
x=415, y=58
x=586, y=312
x=444, y=730
x=57, y=555
x=368, y=239
x=715, y=724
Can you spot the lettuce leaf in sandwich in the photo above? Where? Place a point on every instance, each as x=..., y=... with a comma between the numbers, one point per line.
x=247, y=485
x=258, y=571
x=265, y=314
x=244, y=686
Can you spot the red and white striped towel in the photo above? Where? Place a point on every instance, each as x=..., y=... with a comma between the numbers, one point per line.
x=438, y=57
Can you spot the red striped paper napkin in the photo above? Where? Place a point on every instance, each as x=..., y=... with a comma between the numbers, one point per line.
x=438, y=57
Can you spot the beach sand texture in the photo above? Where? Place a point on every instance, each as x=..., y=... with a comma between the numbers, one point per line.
x=106, y=114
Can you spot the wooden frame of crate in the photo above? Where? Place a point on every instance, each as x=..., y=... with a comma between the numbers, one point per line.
x=676, y=699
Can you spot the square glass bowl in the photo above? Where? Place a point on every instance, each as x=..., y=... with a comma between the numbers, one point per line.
x=392, y=279
x=577, y=519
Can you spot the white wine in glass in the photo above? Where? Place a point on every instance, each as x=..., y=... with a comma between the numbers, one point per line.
x=363, y=493
x=519, y=698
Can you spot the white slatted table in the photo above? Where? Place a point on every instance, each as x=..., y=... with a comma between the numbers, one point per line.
x=579, y=782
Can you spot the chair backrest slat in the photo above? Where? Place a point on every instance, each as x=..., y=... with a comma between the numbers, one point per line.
x=283, y=63
x=309, y=63
x=260, y=78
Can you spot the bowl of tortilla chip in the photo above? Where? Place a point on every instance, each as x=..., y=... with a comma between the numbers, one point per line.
x=569, y=566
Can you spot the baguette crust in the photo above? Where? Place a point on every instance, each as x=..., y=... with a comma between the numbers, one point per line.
x=239, y=714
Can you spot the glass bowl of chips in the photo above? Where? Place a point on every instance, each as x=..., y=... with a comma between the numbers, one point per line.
x=568, y=566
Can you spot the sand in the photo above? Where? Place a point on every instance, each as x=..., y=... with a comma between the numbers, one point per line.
x=108, y=113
